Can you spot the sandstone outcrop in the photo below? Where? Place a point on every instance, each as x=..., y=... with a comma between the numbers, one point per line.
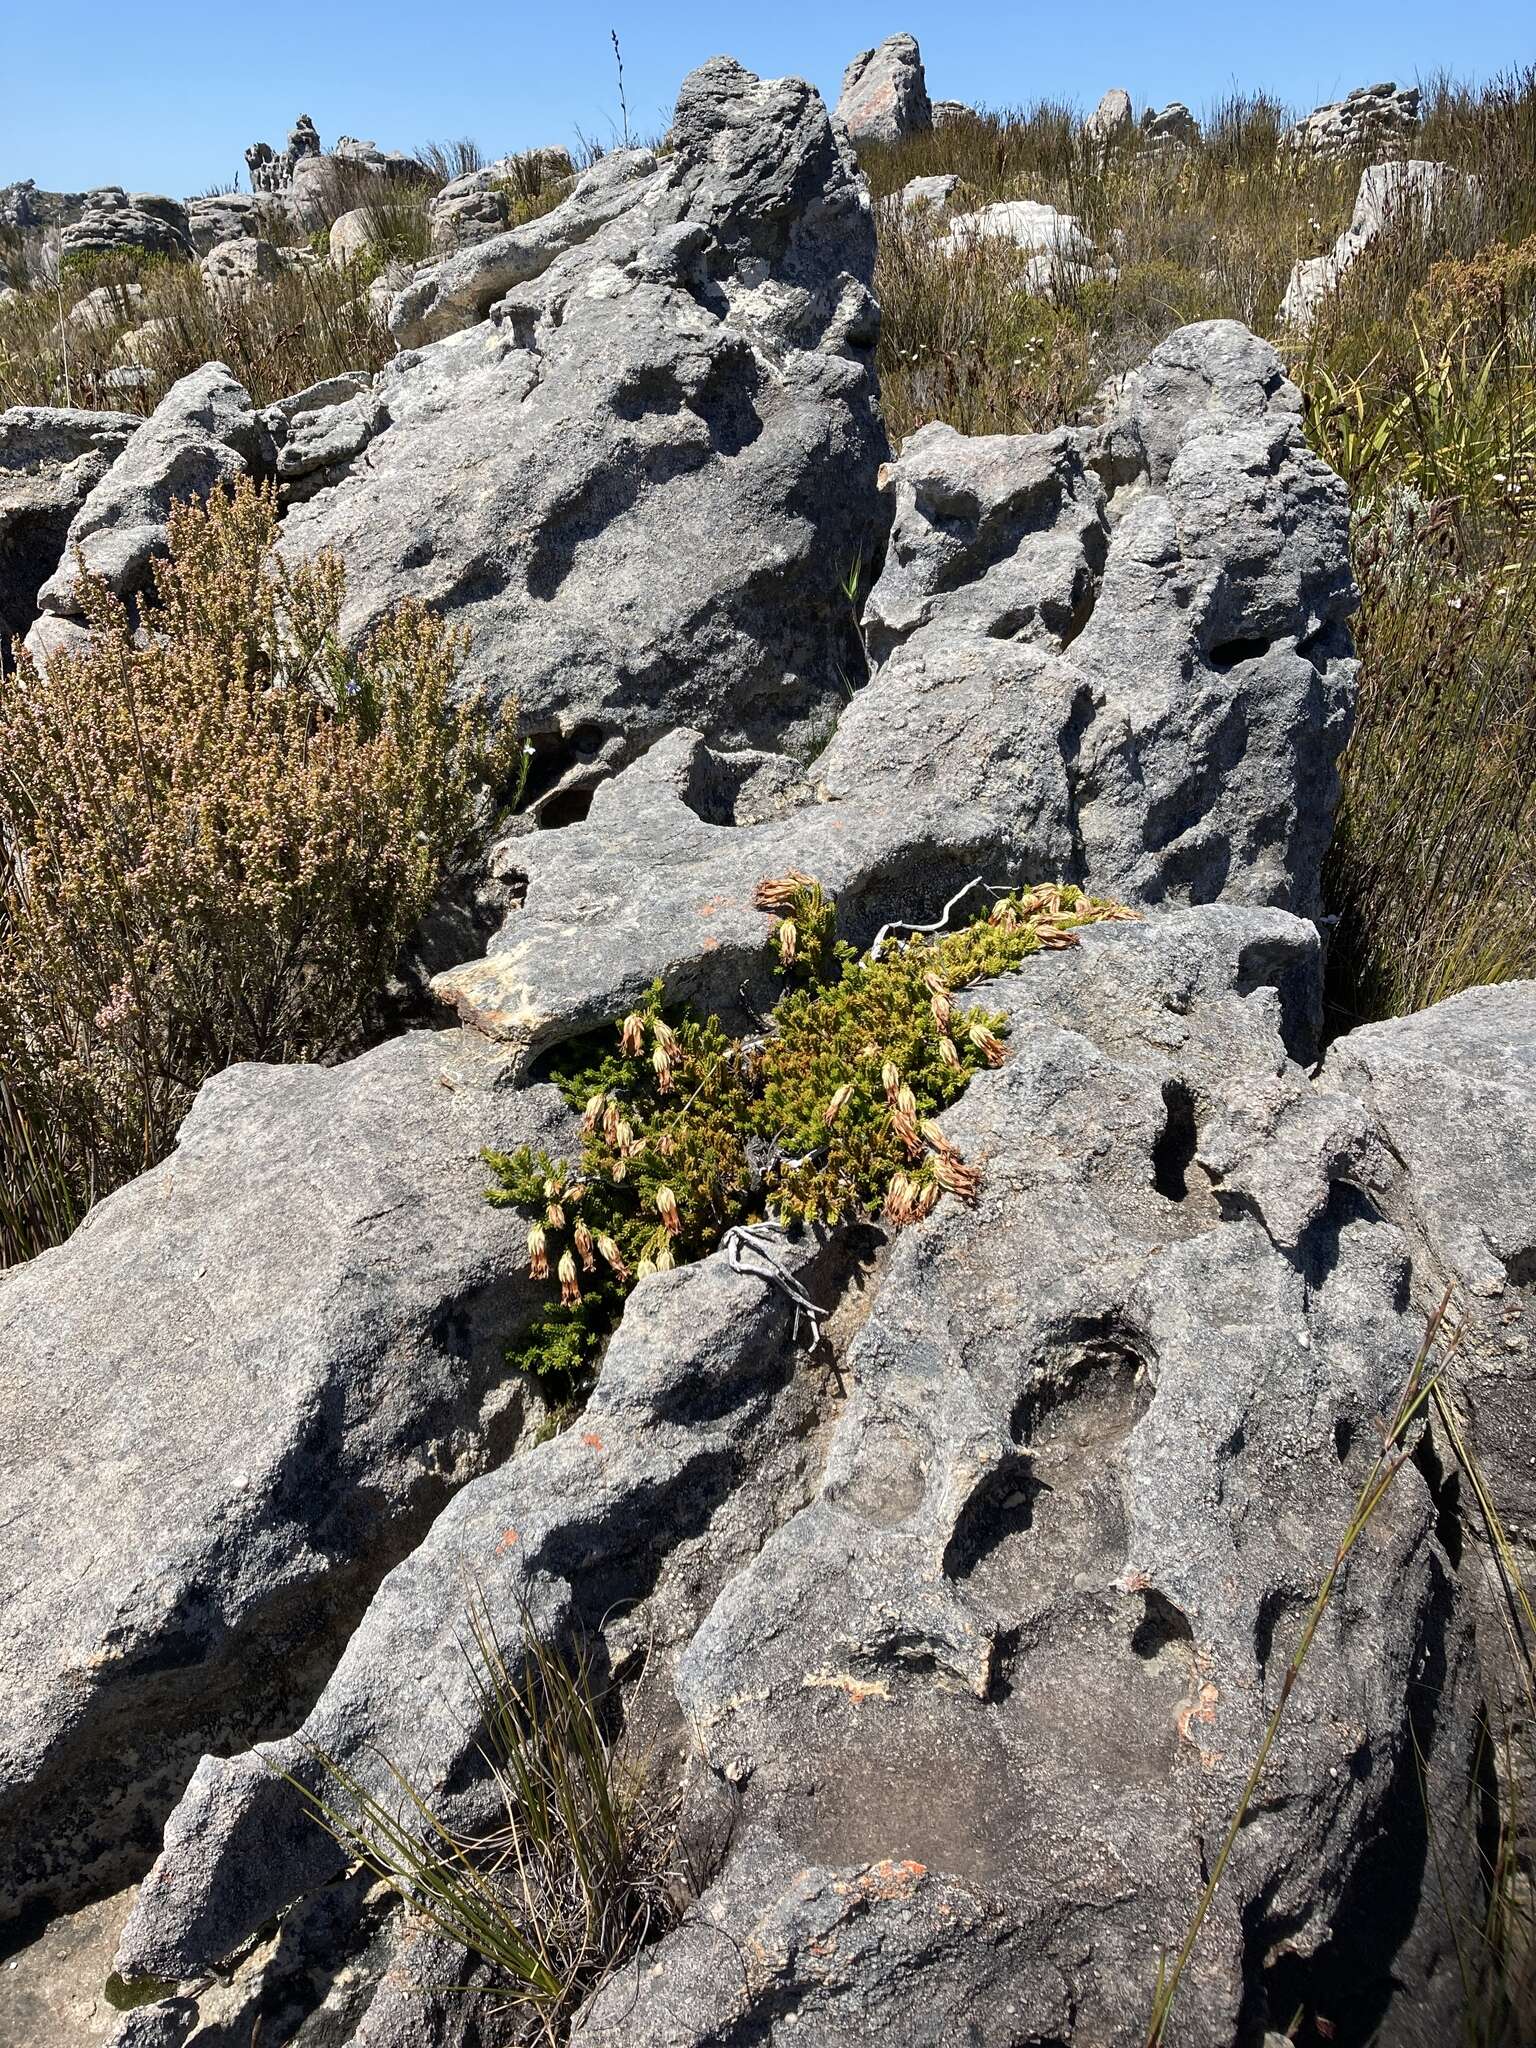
x=1395, y=197
x=1370, y=119
x=885, y=96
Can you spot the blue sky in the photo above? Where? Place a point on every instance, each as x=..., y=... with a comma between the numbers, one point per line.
x=165, y=98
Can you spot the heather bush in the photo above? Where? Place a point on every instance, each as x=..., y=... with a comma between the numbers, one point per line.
x=217, y=832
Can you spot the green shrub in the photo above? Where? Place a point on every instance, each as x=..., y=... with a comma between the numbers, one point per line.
x=217, y=834
x=687, y=1131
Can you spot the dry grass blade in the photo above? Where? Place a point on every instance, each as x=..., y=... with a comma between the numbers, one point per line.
x=579, y=1871
x=1417, y=1391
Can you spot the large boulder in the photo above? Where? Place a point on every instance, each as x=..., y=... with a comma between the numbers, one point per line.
x=1371, y=119
x=1116, y=655
x=225, y=217
x=1112, y=120
x=1398, y=198
x=642, y=480
x=885, y=96
x=26, y=208
x=1175, y=126
x=51, y=459
x=233, y=1400
x=204, y=432
x=113, y=220
x=971, y=1699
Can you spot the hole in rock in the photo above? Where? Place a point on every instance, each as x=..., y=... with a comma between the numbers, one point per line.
x=565, y=807
x=1521, y=1269
x=1086, y=1389
x=1002, y=1506
x=1343, y=1437
x=1161, y=1624
x=1174, y=1152
x=1278, y=1603
x=1232, y=653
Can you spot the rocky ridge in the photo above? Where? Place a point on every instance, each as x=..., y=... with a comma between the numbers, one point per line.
x=958, y=1652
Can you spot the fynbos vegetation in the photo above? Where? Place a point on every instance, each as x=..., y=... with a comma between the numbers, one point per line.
x=219, y=832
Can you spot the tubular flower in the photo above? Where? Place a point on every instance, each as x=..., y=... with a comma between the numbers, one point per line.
x=632, y=1035
x=906, y=1130
x=942, y=1011
x=788, y=937
x=926, y=1200
x=570, y=1286
x=613, y=1256
x=583, y=1238
x=779, y=891
x=664, y=1036
x=664, y=1259
x=906, y=1101
x=554, y=1216
x=666, y=1209
x=948, y=1051
x=839, y=1102
x=663, y=1066
x=960, y=1179
x=595, y=1111
x=538, y=1252
x=937, y=1141
x=890, y=1079
x=988, y=1044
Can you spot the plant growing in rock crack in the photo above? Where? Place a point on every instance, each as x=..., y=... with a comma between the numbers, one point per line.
x=687, y=1131
x=581, y=1867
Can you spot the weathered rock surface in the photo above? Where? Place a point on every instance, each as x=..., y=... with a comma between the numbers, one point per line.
x=1371, y=118
x=1112, y=119
x=920, y=194
x=885, y=95
x=988, y=1700
x=478, y=205
x=225, y=217
x=204, y=432
x=641, y=481
x=25, y=207
x=982, y=1704
x=51, y=458
x=1175, y=124
x=238, y=265
x=1115, y=655
x=231, y=1401
x=113, y=219
x=1058, y=250
x=1396, y=198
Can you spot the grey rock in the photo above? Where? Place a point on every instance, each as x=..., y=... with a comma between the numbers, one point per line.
x=987, y=1680
x=114, y=220
x=203, y=433
x=1054, y=239
x=1454, y=1090
x=318, y=431
x=1111, y=120
x=951, y=110
x=931, y=195
x=1174, y=125
x=225, y=217
x=1371, y=118
x=168, y=2023
x=272, y=171
x=639, y=484
x=988, y=1700
x=236, y=266
x=1401, y=198
x=51, y=459
x=885, y=95
x=351, y=235
x=447, y=296
x=478, y=205
x=1117, y=656
x=232, y=1401
x=25, y=208
x=94, y=315
x=695, y=1430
